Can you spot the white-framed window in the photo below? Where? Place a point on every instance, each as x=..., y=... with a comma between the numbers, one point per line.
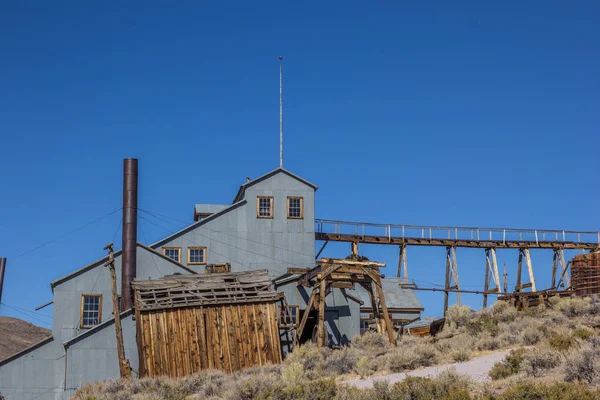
x=196, y=255
x=264, y=207
x=295, y=207
x=174, y=253
x=91, y=310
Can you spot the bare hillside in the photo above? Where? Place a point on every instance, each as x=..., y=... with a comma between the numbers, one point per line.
x=17, y=335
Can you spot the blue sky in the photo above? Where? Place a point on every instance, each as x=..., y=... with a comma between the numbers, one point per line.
x=440, y=113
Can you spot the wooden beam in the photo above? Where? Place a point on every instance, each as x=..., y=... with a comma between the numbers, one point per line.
x=343, y=261
x=486, y=282
x=321, y=250
x=293, y=270
x=342, y=285
x=309, y=306
x=519, y=271
x=530, y=270
x=124, y=368
x=447, y=281
x=388, y=323
x=321, y=326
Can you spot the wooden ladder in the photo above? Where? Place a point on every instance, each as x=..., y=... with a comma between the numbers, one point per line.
x=290, y=326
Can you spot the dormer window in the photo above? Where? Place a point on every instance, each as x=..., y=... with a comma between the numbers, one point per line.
x=295, y=207
x=264, y=207
x=174, y=253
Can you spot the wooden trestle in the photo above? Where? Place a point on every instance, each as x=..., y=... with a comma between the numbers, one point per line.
x=488, y=239
x=344, y=273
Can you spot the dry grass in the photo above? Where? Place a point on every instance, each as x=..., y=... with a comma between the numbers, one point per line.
x=559, y=346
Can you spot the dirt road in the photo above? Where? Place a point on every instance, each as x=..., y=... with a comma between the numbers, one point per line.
x=477, y=369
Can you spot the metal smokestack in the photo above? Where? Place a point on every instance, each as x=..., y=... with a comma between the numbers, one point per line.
x=130, y=203
x=2, y=268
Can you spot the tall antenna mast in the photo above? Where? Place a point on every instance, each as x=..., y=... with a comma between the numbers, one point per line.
x=280, y=112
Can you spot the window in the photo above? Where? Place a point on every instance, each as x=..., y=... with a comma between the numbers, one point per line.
x=174, y=253
x=295, y=207
x=196, y=255
x=264, y=207
x=365, y=323
x=91, y=310
x=291, y=318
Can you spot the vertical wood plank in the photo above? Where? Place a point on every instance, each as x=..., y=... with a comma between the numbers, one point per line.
x=260, y=339
x=321, y=327
x=173, y=359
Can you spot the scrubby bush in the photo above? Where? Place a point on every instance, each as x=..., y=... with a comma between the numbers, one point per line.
x=309, y=355
x=411, y=357
x=583, y=365
x=583, y=332
x=482, y=321
x=531, y=335
x=540, y=360
x=292, y=373
x=363, y=367
x=511, y=365
x=372, y=344
x=573, y=306
x=487, y=342
x=341, y=361
x=458, y=316
x=557, y=391
x=447, y=386
x=504, y=312
x=561, y=339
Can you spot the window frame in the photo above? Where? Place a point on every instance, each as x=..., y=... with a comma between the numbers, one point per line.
x=81, y=310
x=190, y=258
x=272, y=201
x=301, y=207
x=172, y=248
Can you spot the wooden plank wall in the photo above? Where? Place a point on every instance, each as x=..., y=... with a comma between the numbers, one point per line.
x=182, y=341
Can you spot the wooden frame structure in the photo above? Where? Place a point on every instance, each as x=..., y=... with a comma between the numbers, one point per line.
x=333, y=273
x=188, y=323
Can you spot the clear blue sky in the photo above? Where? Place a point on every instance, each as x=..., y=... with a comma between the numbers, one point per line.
x=445, y=113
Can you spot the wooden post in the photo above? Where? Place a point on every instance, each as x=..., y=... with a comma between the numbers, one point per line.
x=455, y=275
x=447, y=285
x=386, y=317
x=402, y=262
x=564, y=274
x=505, y=280
x=554, y=268
x=486, y=282
x=321, y=329
x=530, y=270
x=519, y=269
x=124, y=367
x=355, y=249
x=495, y=273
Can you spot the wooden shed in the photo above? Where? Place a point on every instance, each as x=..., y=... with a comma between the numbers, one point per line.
x=187, y=323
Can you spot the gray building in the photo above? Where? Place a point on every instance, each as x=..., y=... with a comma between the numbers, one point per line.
x=269, y=225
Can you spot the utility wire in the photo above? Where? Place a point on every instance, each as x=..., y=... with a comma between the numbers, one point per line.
x=27, y=315
x=66, y=234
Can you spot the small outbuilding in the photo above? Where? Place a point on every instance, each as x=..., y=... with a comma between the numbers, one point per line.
x=188, y=323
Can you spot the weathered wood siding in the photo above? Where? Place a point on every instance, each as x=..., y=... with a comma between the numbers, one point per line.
x=182, y=341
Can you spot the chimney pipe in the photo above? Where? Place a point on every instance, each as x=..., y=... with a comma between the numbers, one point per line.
x=2, y=268
x=129, y=260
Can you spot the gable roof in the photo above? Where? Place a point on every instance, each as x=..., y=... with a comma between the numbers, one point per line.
x=116, y=254
x=240, y=193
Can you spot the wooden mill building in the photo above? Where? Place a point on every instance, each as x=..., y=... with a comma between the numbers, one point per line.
x=268, y=226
